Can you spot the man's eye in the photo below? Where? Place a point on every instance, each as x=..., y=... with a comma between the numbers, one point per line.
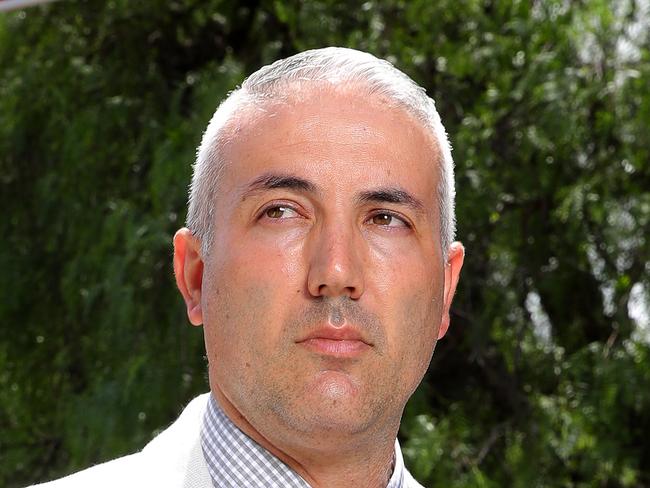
x=280, y=212
x=388, y=220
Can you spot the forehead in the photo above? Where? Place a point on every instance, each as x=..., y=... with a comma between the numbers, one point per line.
x=335, y=139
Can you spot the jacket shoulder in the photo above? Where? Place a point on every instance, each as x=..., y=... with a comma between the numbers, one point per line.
x=118, y=472
x=172, y=459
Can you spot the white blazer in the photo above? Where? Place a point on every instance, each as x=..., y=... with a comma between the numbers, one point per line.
x=173, y=459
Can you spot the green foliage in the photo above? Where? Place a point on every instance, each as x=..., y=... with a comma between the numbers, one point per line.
x=543, y=378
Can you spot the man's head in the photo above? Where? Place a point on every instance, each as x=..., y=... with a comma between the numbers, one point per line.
x=335, y=69
x=319, y=255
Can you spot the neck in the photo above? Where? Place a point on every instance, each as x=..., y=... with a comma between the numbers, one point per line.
x=326, y=460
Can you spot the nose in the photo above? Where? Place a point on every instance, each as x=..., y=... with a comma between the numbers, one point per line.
x=335, y=262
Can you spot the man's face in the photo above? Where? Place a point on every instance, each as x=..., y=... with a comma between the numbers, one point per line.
x=324, y=290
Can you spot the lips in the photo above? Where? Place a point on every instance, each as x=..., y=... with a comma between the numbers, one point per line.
x=336, y=341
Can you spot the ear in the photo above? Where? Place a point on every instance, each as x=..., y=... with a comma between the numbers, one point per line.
x=188, y=269
x=455, y=258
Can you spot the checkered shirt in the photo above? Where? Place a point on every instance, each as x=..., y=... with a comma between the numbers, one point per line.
x=235, y=460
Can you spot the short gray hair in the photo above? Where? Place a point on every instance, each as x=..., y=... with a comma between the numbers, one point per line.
x=337, y=67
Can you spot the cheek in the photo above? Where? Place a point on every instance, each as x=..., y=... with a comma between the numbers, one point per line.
x=407, y=274
x=255, y=256
x=410, y=292
x=238, y=336
x=417, y=324
x=272, y=256
x=413, y=340
x=245, y=289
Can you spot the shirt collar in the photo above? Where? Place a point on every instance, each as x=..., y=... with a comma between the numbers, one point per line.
x=234, y=459
x=397, y=479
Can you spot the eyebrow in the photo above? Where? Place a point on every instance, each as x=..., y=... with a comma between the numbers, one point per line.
x=272, y=181
x=391, y=195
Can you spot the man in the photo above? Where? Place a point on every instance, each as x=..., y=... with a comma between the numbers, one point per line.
x=319, y=259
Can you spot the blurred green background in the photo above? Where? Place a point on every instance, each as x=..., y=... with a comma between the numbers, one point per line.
x=543, y=379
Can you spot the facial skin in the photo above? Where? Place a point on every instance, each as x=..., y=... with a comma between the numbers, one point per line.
x=326, y=225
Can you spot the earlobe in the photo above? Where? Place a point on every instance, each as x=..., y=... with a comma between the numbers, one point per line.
x=188, y=270
x=444, y=325
x=455, y=259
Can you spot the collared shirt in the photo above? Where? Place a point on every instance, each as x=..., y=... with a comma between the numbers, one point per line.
x=235, y=460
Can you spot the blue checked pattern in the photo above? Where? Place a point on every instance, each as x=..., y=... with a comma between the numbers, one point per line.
x=235, y=460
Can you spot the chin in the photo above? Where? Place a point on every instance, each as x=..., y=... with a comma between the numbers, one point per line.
x=334, y=402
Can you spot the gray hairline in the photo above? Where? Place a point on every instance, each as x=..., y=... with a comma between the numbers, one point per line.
x=381, y=80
